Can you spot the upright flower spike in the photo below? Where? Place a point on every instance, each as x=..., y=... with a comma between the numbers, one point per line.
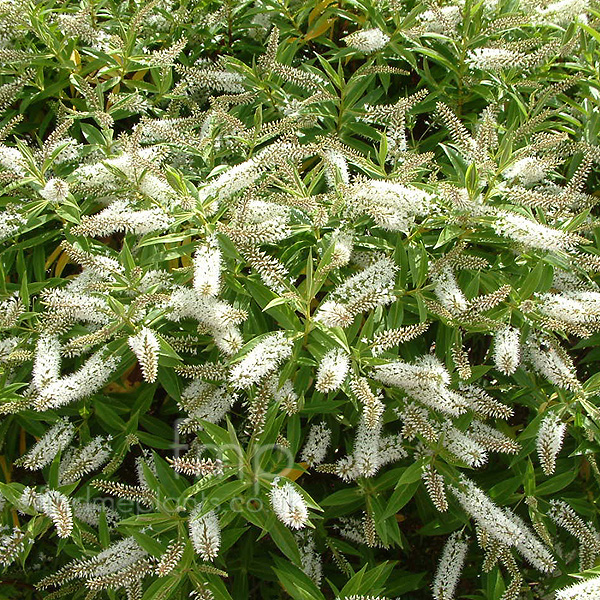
x=288, y=505
x=11, y=546
x=170, y=559
x=502, y=525
x=57, y=438
x=84, y=460
x=527, y=170
x=90, y=512
x=435, y=486
x=587, y=535
x=145, y=346
x=55, y=190
x=371, y=287
x=392, y=206
x=449, y=293
x=507, y=350
x=531, y=233
x=57, y=506
x=332, y=371
x=373, y=407
x=366, y=457
x=311, y=559
x=367, y=40
x=549, y=441
x=449, y=568
x=205, y=533
x=426, y=380
x=494, y=59
x=207, y=269
x=550, y=360
x=316, y=445
x=46, y=365
x=262, y=360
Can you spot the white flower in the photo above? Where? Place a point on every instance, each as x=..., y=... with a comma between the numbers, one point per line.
x=205, y=401
x=332, y=371
x=288, y=505
x=366, y=455
x=121, y=216
x=335, y=166
x=392, y=206
x=71, y=305
x=114, y=559
x=553, y=364
x=207, y=269
x=46, y=365
x=502, y=525
x=487, y=515
x=205, y=533
x=262, y=360
x=562, y=12
x=493, y=59
x=148, y=460
x=531, y=233
x=371, y=287
x=492, y=439
x=84, y=460
x=57, y=438
x=11, y=159
x=450, y=17
x=316, y=445
x=564, y=515
x=391, y=448
x=55, y=190
x=91, y=376
x=343, y=244
x=426, y=381
x=185, y=303
x=507, y=350
x=228, y=340
x=11, y=546
x=7, y=346
x=240, y=176
x=10, y=223
x=89, y=512
x=367, y=40
x=10, y=310
x=145, y=346
x=449, y=568
x=157, y=189
x=463, y=446
x=285, y=395
x=530, y=547
x=311, y=559
x=574, y=307
x=549, y=441
x=56, y=506
x=586, y=590
x=264, y=222
x=528, y=170
x=448, y=292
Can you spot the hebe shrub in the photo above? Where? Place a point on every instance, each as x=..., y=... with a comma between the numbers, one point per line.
x=299, y=299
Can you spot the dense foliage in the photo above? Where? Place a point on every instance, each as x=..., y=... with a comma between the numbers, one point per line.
x=299, y=299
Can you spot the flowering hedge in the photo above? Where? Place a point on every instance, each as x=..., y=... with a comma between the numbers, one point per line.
x=299, y=299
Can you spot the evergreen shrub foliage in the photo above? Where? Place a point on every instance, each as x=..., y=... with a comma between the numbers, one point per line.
x=299, y=299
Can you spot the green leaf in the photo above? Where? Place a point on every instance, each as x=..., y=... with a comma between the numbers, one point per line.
x=405, y=489
x=295, y=581
x=150, y=544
